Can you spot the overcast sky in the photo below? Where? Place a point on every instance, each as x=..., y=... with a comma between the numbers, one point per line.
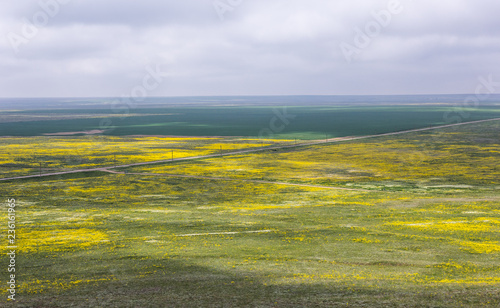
x=246, y=47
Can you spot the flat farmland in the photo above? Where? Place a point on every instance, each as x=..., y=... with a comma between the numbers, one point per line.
x=290, y=122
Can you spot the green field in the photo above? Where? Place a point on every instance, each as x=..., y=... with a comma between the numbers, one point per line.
x=248, y=121
x=398, y=221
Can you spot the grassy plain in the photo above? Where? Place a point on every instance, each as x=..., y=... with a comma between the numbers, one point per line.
x=422, y=230
x=458, y=157
x=27, y=155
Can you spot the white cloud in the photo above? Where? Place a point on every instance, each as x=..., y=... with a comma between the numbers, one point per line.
x=100, y=48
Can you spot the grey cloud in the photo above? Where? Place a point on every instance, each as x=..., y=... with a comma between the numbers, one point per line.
x=100, y=48
x=132, y=13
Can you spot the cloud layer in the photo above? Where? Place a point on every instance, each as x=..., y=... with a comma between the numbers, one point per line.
x=247, y=47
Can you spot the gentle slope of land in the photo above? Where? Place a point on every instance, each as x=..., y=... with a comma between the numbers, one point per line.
x=421, y=231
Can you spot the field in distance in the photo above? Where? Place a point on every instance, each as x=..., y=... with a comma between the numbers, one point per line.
x=257, y=117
